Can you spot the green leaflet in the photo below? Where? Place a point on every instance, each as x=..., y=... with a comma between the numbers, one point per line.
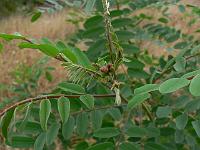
x=5, y=122
x=52, y=133
x=107, y=132
x=36, y=16
x=181, y=121
x=82, y=123
x=96, y=119
x=1, y=47
x=47, y=49
x=194, y=87
x=146, y=88
x=196, y=126
x=128, y=146
x=9, y=37
x=102, y=146
x=64, y=108
x=138, y=99
x=90, y=5
x=163, y=112
x=68, y=128
x=71, y=87
x=173, y=85
x=45, y=110
x=40, y=141
x=66, y=51
x=21, y=142
x=82, y=58
x=88, y=100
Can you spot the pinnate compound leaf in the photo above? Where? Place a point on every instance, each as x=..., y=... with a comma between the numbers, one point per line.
x=71, y=87
x=64, y=108
x=107, y=132
x=45, y=110
x=138, y=99
x=40, y=141
x=88, y=100
x=173, y=85
x=194, y=87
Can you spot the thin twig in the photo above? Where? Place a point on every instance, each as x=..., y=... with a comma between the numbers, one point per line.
x=13, y=106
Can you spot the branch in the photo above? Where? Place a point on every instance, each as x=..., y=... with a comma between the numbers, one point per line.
x=13, y=106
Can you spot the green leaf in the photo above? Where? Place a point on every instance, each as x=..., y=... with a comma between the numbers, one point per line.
x=128, y=146
x=163, y=112
x=28, y=45
x=154, y=146
x=146, y=88
x=163, y=20
x=66, y=51
x=29, y=127
x=36, y=16
x=21, y=142
x=138, y=99
x=71, y=87
x=90, y=5
x=52, y=133
x=121, y=22
x=181, y=45
x=194, y=87
x=82, y=58
x=9, y=37
x=196, y=126
x=115, y=113
x=96, y=119
x=45, y=48
x=130, y=49
x=82, y=124
x=40, y=141
x=94, y=21
x=48, y=50
x=180, y=64
x=136, y=132
x=179, y=136
x=191, y=74
x=48, y=76
x=169, y=86
x=102, y=146
x=68, y=128
x=88, y=100
x=107, y=132
x=5, y=122
x=64, y=108
x=181, y=121
x=125, y=35
x=1, y=47
x=45, y=110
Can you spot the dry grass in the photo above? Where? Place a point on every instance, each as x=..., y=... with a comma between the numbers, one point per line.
x=52, y=26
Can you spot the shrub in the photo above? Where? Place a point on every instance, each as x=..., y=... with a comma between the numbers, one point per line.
x=117, y=96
